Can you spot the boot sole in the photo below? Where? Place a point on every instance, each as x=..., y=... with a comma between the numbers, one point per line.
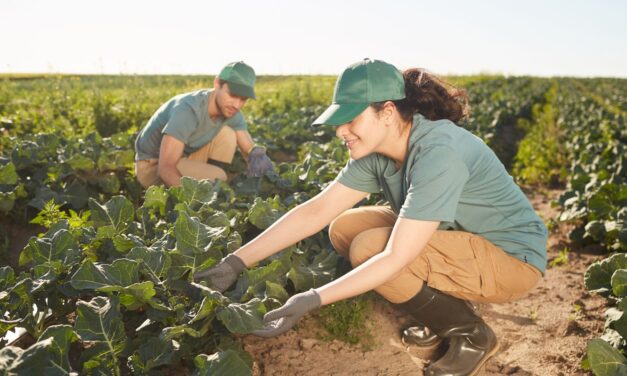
x=485, y=359
x=430, y=352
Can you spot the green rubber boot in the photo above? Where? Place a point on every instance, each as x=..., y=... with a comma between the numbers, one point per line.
x=471, y=342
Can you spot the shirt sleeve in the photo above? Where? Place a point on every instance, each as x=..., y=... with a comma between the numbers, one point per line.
x=437, y=179
x=182, y=123
x=360, y=175
x=237, y=122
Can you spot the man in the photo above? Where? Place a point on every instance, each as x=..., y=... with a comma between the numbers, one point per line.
x=193, y=134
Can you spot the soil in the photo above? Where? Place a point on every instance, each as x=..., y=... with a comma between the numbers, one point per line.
x=18, y=236
x=545, y=333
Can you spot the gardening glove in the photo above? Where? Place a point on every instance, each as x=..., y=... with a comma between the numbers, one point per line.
x=224, y=274
x=258, y=162
x=283, y=318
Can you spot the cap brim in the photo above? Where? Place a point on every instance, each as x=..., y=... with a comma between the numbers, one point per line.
x=338, y=114
x=241, y=90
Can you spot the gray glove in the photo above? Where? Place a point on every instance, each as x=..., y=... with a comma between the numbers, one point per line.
x=258, y=162
x=224, y=274
x=283, y=318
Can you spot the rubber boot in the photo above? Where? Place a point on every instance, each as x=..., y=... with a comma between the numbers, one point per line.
x=470, y=340
x=420, y=335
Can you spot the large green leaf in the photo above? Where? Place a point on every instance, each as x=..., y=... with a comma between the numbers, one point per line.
x=243, y=317
x=264, y=213
x=193, y=193
x=182, y=264
x=153, y=353
x=113, y=217
x=17, y=299
x=619, y=283
x=192, y=236
x=617, y=320
x=207, y=309
x=48, y=356
x=598, y=276
x=319, y=272
x=222, y=363
x=605, y=360
x=155, y=261
x=253, y=282
x=136, y=295
x=90, y=276
x=100, y=321
x=59, y=253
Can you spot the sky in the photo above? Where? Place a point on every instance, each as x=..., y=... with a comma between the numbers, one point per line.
x=541, y=38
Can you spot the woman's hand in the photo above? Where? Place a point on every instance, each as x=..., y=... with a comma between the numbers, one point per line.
x=224, y=274
x=283, y=318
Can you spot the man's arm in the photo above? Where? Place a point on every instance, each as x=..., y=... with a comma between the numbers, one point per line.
x=244, y=143
x=169, y=156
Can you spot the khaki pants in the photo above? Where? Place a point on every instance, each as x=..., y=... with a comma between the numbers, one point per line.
x=457, y=263
x=221, y=148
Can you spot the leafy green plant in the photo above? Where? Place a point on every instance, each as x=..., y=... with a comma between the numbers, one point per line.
x=561, y=259
x=348, y=321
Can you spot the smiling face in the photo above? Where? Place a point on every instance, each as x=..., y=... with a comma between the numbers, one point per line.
x=228, y=104
x=364, y=135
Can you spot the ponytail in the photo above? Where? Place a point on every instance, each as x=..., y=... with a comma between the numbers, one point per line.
x=430, y=96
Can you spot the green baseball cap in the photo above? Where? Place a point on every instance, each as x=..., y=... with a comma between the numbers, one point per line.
x=368, y=81
x=241, y=79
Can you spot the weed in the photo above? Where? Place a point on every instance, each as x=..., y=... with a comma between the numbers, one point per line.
x=561, y=259
x=347, y=321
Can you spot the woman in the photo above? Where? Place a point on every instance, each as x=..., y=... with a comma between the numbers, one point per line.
x=458, y=228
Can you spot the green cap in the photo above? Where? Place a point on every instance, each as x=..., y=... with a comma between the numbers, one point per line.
x=241, y=79
x=363, y=83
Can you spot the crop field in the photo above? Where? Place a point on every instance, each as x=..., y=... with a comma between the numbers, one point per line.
x=95, y=273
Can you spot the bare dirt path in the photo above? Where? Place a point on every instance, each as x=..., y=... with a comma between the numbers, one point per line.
x=544, y=333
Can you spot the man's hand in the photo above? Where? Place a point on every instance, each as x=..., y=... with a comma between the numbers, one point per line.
x=224, y=274
x=258, y=162
x=283, y=318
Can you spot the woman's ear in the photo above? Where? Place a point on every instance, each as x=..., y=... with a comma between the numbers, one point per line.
x=389, y=109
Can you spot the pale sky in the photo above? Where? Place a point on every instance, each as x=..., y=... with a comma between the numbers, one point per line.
x=545, y=38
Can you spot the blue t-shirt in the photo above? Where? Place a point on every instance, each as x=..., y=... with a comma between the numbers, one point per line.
x=185, y=117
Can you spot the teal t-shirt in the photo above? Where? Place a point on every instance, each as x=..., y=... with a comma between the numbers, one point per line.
x=452, y=176
x=185, y=117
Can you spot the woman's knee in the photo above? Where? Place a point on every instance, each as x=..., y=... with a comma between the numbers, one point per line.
x=339, y=232
x=367, y=244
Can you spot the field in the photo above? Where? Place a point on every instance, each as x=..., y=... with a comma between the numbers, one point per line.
x=97, y=272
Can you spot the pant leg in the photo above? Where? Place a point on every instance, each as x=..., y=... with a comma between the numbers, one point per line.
x=352, y=222
x=221, y=148
x=457, y=263
x=146, y=172
x=200, y=170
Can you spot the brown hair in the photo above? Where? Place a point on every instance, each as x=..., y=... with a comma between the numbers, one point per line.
x=430, y=96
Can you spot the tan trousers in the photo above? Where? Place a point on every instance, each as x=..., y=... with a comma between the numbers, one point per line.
x=457, y=263
x=221, y=148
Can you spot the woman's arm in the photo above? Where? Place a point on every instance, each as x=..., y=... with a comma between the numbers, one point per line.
x=304, y=220
x=407, y=240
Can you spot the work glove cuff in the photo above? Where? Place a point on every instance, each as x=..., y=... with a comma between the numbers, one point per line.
x=235, y=263
x=312, y=300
